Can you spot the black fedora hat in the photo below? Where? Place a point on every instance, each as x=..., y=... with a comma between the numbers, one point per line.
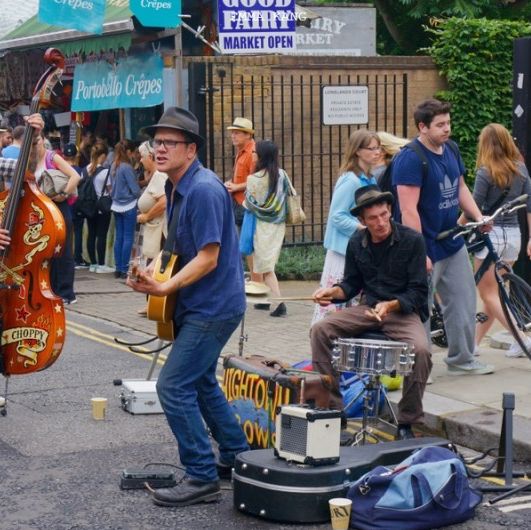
x=369, y=195
x=180, y=120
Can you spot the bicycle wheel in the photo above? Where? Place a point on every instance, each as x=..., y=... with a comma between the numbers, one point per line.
x=515, y=298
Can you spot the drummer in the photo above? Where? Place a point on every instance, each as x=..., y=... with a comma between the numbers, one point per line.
x=387, y=264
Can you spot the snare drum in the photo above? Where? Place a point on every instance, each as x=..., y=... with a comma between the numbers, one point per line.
x=372, y=356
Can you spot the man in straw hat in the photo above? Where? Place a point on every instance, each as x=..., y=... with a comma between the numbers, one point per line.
x=210, y=305
x=387, y=262
x=242, y=137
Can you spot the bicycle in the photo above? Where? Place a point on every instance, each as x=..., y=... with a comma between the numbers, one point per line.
x=514, y=292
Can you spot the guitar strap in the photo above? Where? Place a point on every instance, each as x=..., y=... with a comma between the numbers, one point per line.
x=167, y=250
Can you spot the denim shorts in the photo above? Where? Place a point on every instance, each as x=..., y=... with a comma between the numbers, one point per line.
x=507, y=242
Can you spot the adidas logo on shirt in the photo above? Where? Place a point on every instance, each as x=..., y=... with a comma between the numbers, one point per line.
x=449, y=192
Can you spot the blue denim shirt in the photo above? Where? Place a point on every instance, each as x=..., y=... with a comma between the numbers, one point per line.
x=205, y=217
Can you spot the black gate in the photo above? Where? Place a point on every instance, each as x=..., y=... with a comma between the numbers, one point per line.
x=286, y=107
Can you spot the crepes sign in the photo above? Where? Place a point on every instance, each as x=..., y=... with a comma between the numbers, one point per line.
x=133, y=82
x=157, y=13
x=83, y=15
x=256, y=26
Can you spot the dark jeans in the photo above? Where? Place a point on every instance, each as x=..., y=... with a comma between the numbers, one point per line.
x=78, y=223
x=352, y=321
x=98, y=226
x=62, y=267
x=190, y=393
x=125, y=223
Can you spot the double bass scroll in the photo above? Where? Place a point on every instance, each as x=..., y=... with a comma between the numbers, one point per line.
x=32, y=317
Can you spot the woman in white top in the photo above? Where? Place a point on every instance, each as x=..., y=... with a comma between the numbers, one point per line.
x=151, y=207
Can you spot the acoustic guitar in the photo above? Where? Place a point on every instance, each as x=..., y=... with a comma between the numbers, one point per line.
x=161, y=308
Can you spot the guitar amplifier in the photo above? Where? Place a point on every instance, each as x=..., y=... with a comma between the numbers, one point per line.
x=309, y=436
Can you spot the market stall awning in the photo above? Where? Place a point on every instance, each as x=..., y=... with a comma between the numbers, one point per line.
x=34, y=33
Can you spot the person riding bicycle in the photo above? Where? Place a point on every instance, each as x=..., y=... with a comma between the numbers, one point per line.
x=387, y=262
x=430, y=204
x=501, y=176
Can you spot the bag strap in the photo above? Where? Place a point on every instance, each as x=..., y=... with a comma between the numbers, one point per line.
x=291, y=190
x=497, y=203
x=99, y=170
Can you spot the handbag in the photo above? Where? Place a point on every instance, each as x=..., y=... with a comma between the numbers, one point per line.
x=52, y=182
x=294, y=212
x=247, y=233
x=430, y=489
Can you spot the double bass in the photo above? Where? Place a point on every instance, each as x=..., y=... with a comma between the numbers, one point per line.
x=32, y=319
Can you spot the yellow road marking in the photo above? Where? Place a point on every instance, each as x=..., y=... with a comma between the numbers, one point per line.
x=108, y=340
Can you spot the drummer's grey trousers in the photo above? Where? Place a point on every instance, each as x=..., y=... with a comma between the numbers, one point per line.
x=351, y=322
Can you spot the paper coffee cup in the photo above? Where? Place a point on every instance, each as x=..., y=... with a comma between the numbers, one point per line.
x=340, y=513
x=99, y=407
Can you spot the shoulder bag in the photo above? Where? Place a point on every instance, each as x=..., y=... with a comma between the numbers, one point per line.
x=52, y=182
x=294, y=212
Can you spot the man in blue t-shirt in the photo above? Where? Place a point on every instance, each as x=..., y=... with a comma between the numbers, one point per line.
x=210, y=305
x=430, y=204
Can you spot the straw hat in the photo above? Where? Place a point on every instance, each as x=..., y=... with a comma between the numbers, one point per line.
x=242, y=124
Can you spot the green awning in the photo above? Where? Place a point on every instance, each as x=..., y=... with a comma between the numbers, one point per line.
x=34, y=33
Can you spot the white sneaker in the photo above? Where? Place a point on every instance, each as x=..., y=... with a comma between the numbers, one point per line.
x=104, y=269
x=516, y=351
x=476, y=351
x=2, y=401
x=93, y=268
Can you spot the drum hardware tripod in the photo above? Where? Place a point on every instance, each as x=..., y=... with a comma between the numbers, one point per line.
x=371, y=388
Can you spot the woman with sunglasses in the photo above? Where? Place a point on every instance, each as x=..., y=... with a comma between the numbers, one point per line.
x=362, y=153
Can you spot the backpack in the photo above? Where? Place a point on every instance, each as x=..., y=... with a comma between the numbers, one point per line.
x=386, y=180
x=87, y=198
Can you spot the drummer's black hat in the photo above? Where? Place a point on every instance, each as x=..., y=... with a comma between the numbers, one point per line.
x=369, y=195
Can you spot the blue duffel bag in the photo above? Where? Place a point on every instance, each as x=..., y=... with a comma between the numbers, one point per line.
x=430, y=489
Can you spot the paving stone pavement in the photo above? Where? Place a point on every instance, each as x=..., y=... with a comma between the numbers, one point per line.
x=466, y=409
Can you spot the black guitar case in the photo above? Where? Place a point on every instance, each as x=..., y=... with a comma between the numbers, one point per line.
x=272, y=488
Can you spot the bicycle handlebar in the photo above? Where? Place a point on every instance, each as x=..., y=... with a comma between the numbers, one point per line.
x=507, y=208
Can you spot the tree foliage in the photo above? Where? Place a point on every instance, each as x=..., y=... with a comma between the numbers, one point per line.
x=400, y=21
x=476, y=57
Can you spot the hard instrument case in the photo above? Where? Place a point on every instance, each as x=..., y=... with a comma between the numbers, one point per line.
x=276, y=489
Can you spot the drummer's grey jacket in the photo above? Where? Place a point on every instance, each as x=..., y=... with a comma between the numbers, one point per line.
x=397, y=271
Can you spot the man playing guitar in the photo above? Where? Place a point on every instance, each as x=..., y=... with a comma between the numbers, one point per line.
x=210, y=305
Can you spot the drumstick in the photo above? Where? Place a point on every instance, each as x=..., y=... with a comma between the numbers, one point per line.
x=374, y=314
x=291, y=298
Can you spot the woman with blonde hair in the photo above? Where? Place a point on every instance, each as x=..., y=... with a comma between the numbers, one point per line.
x=361, y=154
x=501, y=176
x=390, y=145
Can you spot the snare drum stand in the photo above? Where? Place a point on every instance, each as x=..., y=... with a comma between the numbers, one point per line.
x=372, y=387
